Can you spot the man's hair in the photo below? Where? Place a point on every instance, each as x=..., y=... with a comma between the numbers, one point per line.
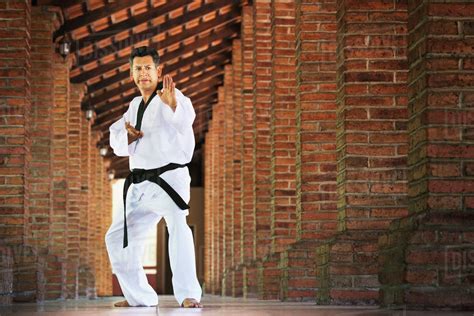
x=144, y=51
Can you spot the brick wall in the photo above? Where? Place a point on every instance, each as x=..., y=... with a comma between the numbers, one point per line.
x=351, y=128
x=47, y=214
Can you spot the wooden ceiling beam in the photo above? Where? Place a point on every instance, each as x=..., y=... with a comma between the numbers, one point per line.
x=196, y=85
x=204, y=95
x=115, y=47
x=93, y=16
x=60, y=3
x=145, y=17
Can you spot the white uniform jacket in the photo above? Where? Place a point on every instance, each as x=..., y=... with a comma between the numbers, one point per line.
x=168, y=138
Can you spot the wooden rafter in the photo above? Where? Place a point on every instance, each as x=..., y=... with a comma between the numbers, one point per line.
x=225, y=33
x=93, y=16
x=166, y=26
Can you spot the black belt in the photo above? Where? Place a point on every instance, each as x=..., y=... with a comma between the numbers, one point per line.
x=152, y=175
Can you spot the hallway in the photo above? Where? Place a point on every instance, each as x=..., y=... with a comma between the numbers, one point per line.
x=213, y=305
x=333, y=150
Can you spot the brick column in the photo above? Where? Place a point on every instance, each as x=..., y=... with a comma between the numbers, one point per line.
x=435, y=244
x=15, y=161
x=220, y=223
x=228, y=252
x=86, y=272
x=283, y=144
x=213, y=207
x=247, y=135
x=103, y=221
x=283, y=125
x=94, y=213
x=73, y=204
x=316, y=143
x=238, y=179
x=262, y=98
x=42, y=85
x=207, y=153
x=371, y=144
x=58, y=219
x=316, y=99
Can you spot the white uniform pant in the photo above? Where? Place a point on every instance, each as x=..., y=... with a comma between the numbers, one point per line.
x=147, y=203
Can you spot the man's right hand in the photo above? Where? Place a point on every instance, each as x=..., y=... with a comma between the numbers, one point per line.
x=132, y=133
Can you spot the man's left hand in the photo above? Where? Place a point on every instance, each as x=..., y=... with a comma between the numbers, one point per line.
x=168, y=95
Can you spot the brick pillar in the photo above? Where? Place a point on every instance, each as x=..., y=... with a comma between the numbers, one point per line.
x=42, y=85
x=283, y=145
x=316, y=141
x=247, y=135
x=210, y=138
x=73, y=204
x=371, y=144
x=238, y=179
x=207, y=152
x=316, y=99
x=86, y=273
x=94, y=213
x=15, y=145
x=228, y=253
x=105, y=224
x=262, y=99
x=42, y=97
x=218, y=114
x=58, y=244
x=283, y=125
x=102, y=193
x=434, y=245
x=220, y=223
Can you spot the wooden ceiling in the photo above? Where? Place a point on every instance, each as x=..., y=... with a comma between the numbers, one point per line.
x=193, y=38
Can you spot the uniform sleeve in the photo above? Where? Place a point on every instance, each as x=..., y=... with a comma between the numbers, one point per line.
x=119, y=138
x=184, y=115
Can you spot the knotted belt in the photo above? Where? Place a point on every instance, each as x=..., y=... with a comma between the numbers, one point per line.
x=152, y=175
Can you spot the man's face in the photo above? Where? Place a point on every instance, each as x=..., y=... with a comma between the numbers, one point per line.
x=145, y=73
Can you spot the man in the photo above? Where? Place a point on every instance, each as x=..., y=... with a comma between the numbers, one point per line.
x=156, y=133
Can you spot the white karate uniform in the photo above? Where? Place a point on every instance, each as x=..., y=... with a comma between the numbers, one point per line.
x=168, y=138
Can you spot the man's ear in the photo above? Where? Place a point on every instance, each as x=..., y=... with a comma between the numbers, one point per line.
x=131, y=74
x=159, y=70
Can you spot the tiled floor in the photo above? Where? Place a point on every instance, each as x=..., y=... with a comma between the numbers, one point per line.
x=213, y=305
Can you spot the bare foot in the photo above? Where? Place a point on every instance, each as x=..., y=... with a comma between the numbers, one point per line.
x=122, y=304
x=191, y=303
